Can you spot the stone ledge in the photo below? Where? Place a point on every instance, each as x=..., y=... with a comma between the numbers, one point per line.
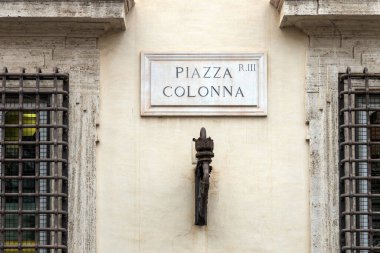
x=330, y=17
x=85, y=18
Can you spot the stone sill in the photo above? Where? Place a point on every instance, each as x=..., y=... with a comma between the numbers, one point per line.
x=85, y=18
x=330, y=17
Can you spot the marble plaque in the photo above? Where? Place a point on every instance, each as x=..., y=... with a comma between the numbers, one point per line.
x=203, y=84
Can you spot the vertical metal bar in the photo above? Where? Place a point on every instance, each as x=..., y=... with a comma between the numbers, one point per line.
x=351, y=173
x=2, y=221
x=342, y=208
x=37, y=163
x=55, y=134
x=65, y=154
x=45, y=170
x=49, y=204
x=362, y=170
x=369, y=165
x=20, y=123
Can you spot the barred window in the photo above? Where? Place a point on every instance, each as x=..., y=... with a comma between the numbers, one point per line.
x=33, y=162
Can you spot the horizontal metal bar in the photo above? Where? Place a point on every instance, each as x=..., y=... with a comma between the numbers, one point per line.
x=361, y=143
x=35, y=160
x=33, y=126
x=350, y=213
x=36, y=212
x=25, y=246
x=32, y=194
x=32, y=91
x=34, y=229
x=35, y=75
x=33, y=109
x=351, y=125
x=360, y=195
x=34, y=177
x=358, y=92
x=63, y=143
x=360, y=248
x=356, y=109
x=360, y=230
x=360, y=178
x=352, y=160
x=343, y=77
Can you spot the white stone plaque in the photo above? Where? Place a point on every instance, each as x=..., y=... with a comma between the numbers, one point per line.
x=203, y=84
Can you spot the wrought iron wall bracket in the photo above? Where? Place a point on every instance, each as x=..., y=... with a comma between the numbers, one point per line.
x=204, y=147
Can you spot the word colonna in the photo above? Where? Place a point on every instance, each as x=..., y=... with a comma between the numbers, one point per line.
x=202, y=91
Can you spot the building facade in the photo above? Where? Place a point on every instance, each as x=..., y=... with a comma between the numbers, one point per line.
x=91, y=162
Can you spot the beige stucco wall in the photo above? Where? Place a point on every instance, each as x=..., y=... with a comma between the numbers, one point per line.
x=258, y=200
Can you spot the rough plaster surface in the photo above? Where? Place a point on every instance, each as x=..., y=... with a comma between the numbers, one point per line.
x=80, y=58
x=259, y=184
x=327, y=57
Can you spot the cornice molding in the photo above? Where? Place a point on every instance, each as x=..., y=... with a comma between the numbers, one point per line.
x=330, y=17
x=90, y=18
x=277, y=4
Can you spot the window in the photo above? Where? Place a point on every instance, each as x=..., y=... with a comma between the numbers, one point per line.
x=33, y=162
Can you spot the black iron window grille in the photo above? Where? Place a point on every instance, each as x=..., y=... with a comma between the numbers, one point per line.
x=33, y=162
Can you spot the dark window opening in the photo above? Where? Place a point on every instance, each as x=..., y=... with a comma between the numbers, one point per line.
x=33, y=162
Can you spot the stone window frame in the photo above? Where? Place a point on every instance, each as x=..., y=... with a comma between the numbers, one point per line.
x=341, y=34
x=80, y=22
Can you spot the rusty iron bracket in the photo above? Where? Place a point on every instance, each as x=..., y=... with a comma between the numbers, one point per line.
x=204, y=147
